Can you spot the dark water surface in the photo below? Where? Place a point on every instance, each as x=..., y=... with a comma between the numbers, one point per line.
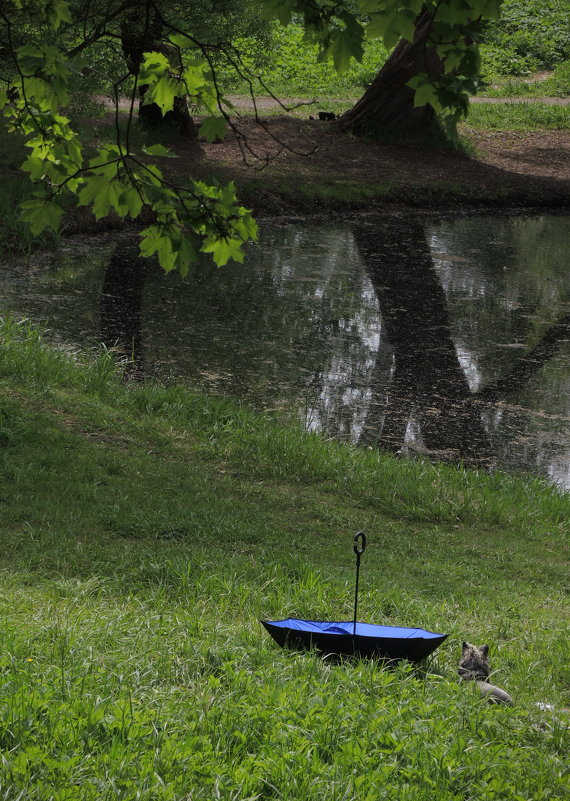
x=449, y=337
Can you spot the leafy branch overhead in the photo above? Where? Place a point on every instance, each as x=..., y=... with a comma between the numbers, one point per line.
x=117, y=178
x=176, y=68
x=340, y=30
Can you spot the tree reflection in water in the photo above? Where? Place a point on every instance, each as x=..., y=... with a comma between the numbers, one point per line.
x=121, y=306
x=428, y=386
x=348, y=326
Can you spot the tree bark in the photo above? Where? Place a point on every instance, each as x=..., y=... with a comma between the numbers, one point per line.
x=388, y=104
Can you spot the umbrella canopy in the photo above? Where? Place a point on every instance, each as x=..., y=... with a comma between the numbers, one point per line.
x=339, y=639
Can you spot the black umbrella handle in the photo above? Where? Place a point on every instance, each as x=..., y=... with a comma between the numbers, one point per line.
x=358, y=551
x=359, y=548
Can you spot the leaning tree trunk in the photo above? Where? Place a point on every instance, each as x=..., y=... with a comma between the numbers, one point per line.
x=142, y=33
x=388, y=104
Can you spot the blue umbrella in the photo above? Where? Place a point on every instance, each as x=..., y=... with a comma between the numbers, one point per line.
x=352, y=638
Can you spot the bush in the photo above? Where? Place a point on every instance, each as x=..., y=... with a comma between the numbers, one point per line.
x=559, y=83
x=291, y=67
x=528, y=37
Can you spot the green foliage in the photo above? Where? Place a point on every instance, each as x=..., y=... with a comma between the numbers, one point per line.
x=529, y=36
x=116, y=180
x=559, y=82
x=454, y=32
x=41, y=214
x=289, y=65
x=291, y=68
x=15, y=235
x=213, y=129
x=290, y=72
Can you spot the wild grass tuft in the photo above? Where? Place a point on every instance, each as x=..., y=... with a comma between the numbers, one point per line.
x=555, y=84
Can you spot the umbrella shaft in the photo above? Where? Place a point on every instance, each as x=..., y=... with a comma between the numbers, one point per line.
x=356, y=593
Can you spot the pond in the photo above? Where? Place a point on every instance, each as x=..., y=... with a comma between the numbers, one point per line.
x=444, y=337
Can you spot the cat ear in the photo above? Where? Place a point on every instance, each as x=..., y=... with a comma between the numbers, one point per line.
x=465, y=646
x=485, y=651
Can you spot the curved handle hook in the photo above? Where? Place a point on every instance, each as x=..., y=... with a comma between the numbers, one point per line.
x=362, y=537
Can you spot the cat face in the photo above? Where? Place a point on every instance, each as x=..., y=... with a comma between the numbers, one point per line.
x=474, y=662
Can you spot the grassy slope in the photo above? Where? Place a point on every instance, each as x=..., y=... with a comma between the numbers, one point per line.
x=145, y=530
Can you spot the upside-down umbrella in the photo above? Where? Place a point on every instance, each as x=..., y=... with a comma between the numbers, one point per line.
x=352, y=638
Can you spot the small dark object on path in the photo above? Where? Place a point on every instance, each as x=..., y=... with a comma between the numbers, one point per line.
x=325, y=115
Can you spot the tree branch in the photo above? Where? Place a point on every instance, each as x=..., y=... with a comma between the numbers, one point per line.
x=530, y=363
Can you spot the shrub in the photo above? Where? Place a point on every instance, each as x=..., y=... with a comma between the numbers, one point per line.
x=529, y=36
x=292, y=68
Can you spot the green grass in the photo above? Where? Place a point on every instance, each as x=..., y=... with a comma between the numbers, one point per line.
x=557, y=84
x=144, y=532
x=518, y=116
x=311, y=195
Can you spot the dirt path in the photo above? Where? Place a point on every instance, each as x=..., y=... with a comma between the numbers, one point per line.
x=550, y=101
x=265, y=103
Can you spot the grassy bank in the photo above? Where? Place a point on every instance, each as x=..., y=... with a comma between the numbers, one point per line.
x=145, y=530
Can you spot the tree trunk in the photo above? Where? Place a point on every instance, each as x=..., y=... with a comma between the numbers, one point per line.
x=142, y=33
x=529, y=364
x=388, y=104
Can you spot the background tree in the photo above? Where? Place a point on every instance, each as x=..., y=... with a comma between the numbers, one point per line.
x=435, y=66
x=389, y=102
x=142, y=34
